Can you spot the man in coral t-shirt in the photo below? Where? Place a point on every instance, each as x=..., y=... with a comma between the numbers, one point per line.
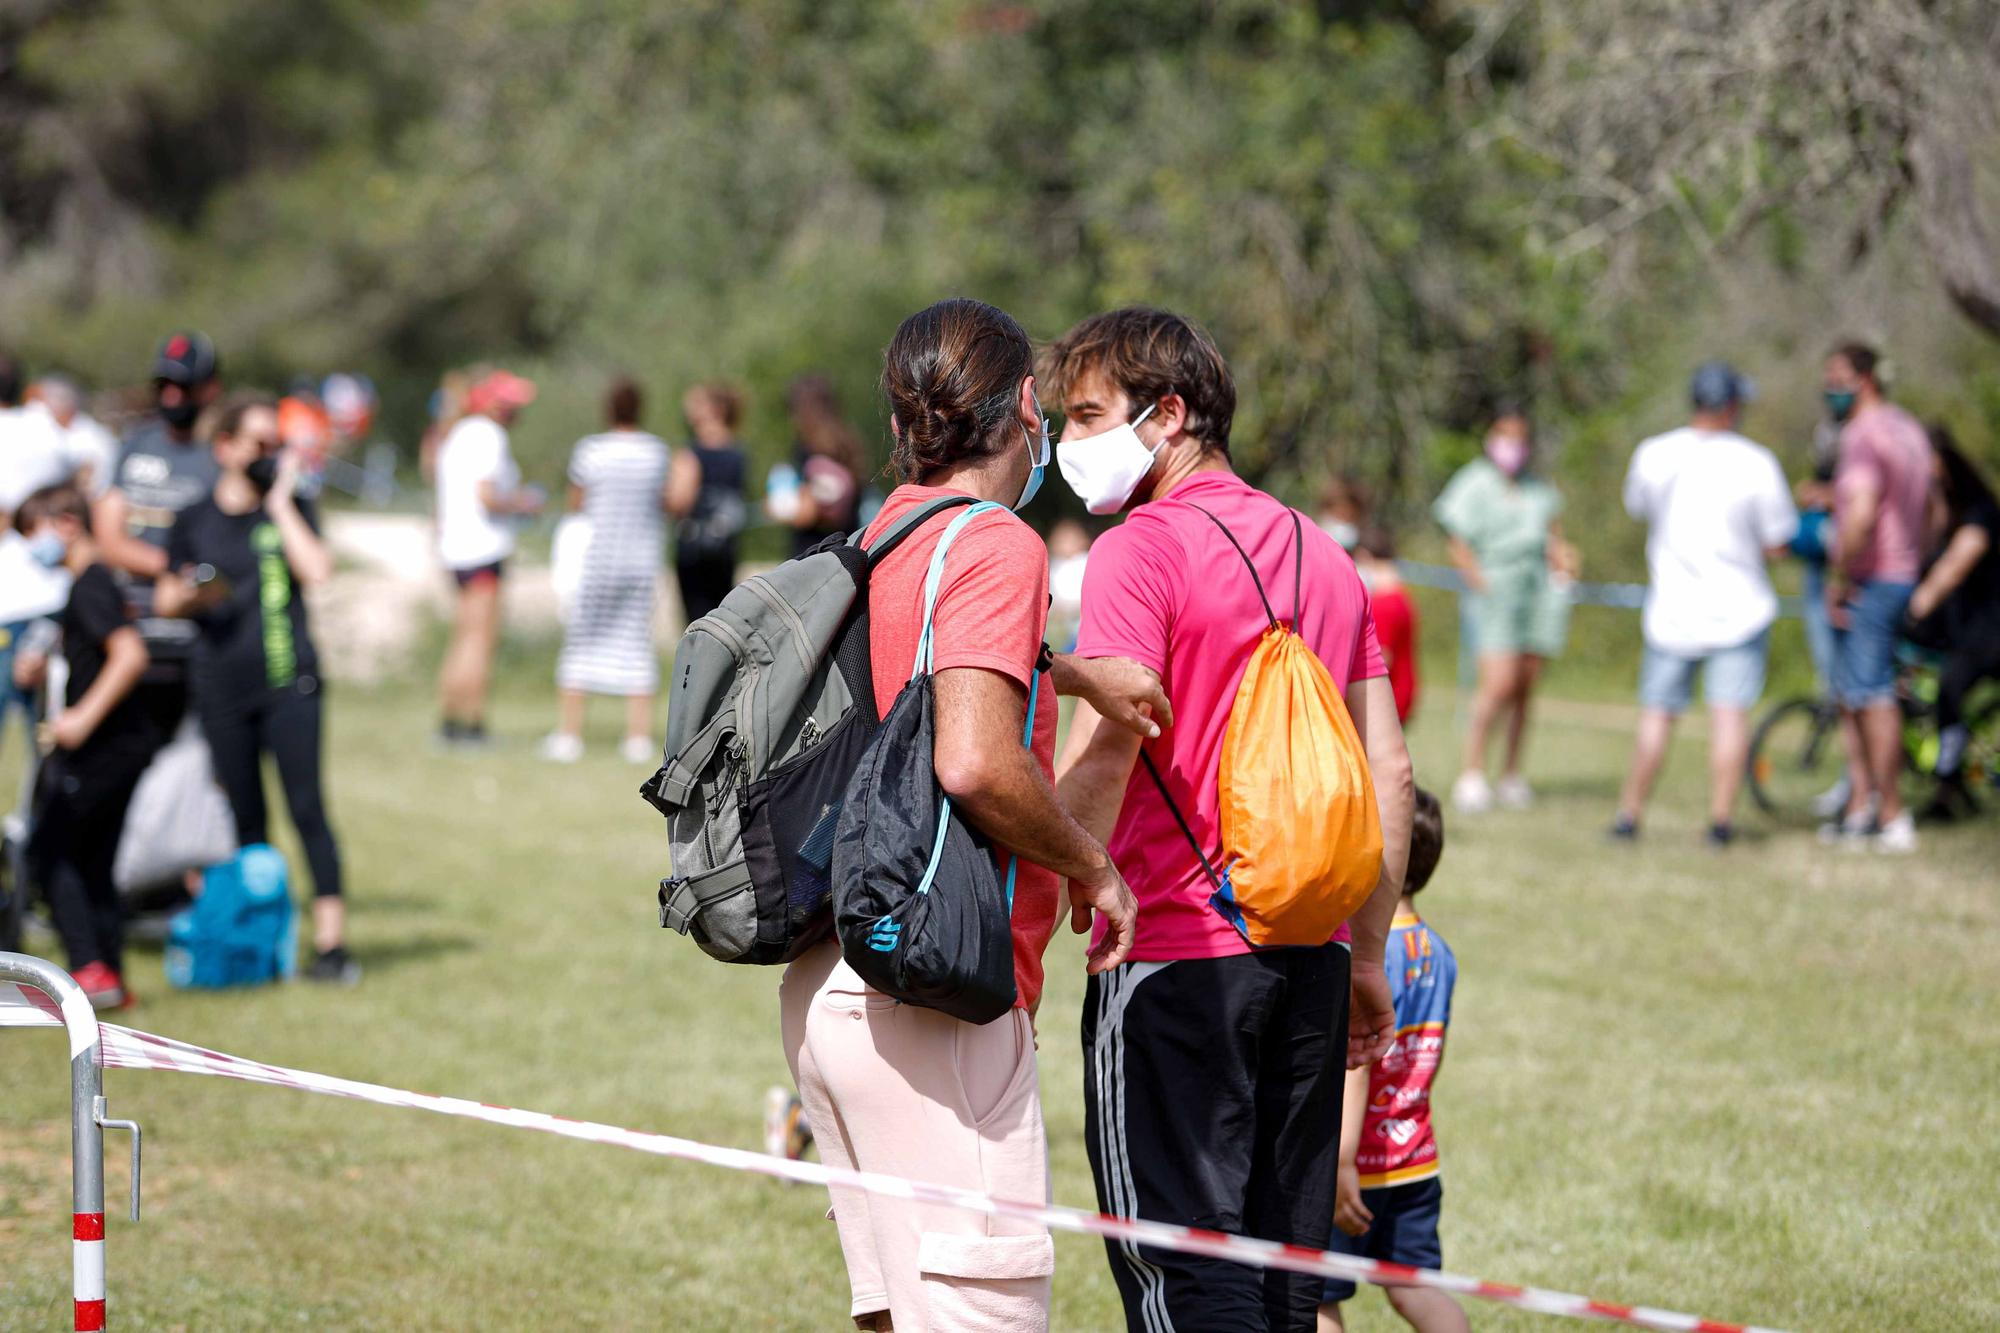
x=1214, y=1097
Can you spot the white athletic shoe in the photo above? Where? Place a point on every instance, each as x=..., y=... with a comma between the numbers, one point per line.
x=1513, y=792
x=1472, y=794
x=1899, y=836
x=559, y=748
x=639, y=750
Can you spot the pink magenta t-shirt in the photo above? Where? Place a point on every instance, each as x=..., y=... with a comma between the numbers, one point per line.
x=1165, y=589
x=1886, y=449
x=992, y=609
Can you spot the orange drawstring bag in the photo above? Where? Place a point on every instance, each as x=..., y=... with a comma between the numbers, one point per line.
x=1301, y=834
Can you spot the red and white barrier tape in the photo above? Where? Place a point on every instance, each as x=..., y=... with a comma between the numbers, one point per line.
x=126, y=1048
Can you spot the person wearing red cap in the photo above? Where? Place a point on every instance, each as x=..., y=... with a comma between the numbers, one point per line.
x=478, y=492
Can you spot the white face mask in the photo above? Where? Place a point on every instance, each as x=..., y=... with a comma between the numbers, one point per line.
x=1105, y=469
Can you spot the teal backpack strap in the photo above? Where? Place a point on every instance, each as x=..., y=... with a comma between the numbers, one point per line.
x=906, y=525
x=925, y=656
x=935, y=577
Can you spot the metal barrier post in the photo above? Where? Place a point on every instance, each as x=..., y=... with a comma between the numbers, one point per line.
x=86, y=1136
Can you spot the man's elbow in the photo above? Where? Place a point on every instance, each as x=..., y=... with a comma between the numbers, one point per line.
x=1395, y=777
x=966, y=773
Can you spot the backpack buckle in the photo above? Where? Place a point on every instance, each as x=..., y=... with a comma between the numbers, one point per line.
x=672, y=915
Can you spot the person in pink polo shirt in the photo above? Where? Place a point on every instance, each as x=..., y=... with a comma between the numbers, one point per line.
x=1214, y=1076
x=1880, y=492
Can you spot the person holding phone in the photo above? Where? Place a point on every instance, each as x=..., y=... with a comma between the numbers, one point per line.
x=238, y=563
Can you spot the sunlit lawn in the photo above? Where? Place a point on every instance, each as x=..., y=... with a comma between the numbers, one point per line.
x=1761, y=1086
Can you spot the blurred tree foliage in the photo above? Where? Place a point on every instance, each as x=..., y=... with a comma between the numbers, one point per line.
x=751, y=188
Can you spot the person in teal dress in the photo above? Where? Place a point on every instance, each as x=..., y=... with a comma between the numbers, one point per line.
x=1506, y=539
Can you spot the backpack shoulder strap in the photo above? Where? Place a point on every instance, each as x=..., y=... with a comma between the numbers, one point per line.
x=906, y=525
x=1269, y=614
x=1207, y=867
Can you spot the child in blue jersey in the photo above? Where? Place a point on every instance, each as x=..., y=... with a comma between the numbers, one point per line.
x=1387, y=1201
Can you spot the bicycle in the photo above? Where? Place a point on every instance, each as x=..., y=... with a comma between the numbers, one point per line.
x=1796, y=755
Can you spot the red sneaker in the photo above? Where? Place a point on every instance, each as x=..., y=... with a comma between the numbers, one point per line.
x=102, y=987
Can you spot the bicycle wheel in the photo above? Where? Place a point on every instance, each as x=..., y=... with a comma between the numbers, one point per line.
x=1795, y=755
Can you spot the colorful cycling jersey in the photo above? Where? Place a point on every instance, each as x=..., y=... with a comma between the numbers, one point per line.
x=1397, y=1145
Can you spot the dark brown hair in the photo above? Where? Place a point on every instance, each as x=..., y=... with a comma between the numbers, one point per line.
x=726, y=399
x=1862, y=358
x=1426, y=841
x=953, y=375
x=623, y=401
x=1149, y=354
x=226, y=418
x=59, y=501
x=1378, y=541
x=821, y=426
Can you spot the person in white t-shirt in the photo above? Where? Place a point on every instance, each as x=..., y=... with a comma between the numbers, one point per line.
x=479, y=495
x=1718, y=508
x=35, y=451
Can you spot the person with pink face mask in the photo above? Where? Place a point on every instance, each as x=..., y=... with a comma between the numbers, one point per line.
x=1508, y=545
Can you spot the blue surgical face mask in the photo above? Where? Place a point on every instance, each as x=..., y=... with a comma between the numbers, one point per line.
x=48, y=549
x=1840, y=402
x=1038, y=463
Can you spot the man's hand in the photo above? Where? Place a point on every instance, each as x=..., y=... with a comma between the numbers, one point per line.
x=1121, y=691
x=1371, y=1015
x=30, y=670
x=70, y=730
x=1837, y=593
x=285, y=486
x=1349, y=1213
x=1110, y=895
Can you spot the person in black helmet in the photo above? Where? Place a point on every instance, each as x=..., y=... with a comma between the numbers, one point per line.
x=161, y=470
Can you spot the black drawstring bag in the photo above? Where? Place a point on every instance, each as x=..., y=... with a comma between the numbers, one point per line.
x=921, y=913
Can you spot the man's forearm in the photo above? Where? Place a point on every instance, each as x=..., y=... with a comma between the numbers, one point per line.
x=1014, y=805
x=1095, y=767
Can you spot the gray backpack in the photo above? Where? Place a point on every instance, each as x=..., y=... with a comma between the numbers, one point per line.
x=771, y=704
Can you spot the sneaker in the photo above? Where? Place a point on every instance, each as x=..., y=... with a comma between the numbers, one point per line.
x=1849, y=831
x=1513, y=792
x=1898, y=837
x=1472, y=794
x=334, y=967
x=561, y=748
x=639, y=750
x=1623, y=829
x=1720, y=836
x=786, y=1133
x=102, y=987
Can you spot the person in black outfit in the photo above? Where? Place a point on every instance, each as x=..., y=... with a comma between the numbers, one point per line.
x=238, y=561
x=102, y=741
x=1957, y=608
x=705, y=498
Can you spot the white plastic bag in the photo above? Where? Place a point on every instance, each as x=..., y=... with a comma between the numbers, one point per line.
x=567, y=550
x=179, y=819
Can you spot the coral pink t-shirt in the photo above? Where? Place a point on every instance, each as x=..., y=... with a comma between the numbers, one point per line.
x=1166, y=589
x=1886, y=450
x=992, y=609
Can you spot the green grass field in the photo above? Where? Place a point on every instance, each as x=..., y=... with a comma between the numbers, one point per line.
x=1760, y=1086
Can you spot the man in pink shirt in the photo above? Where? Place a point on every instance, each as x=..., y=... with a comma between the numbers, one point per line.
x=1880, y=491
x=1213, y=1097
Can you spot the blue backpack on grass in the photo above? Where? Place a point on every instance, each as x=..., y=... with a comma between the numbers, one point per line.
x=241, y=930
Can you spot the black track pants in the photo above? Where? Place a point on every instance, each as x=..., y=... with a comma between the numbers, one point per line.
x=1212, y=1099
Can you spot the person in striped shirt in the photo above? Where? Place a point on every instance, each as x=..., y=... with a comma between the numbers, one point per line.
x=1389, y=1193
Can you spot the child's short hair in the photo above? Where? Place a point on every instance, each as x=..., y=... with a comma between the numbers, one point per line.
x=51, y=502
x=1426, y=841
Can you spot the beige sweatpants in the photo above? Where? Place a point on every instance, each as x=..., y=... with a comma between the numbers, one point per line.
x=912, y=1092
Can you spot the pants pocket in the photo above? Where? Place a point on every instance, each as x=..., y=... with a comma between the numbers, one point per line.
x=986, y=1282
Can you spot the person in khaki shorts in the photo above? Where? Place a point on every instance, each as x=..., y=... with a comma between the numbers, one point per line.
x=898, y=1088
x=1502, y=518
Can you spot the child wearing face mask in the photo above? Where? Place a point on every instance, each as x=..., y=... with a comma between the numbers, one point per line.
x=99, y=744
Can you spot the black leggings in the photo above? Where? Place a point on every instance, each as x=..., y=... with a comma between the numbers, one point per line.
x=1976, y=657
x=704, y=583
x=285, y=724
x=77, y=826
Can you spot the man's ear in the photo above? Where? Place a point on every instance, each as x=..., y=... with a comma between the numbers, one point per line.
x=1172, y=414
x=1029, y=407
